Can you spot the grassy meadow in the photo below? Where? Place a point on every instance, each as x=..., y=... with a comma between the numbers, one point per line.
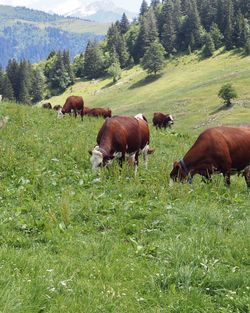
x=76, y=241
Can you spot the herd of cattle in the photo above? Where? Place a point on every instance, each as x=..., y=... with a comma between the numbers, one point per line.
x=223, y=150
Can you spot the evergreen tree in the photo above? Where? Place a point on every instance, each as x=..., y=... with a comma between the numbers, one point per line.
x=143, y=8
x=191, y=28
x=93, y=60
x=78, y=65
x=116, y=42
x=38, y=84
x=153, y=60
x=168, y=35
x=216, y=35
x=131, y=39
x=241, y=31
x=147, y=34
x=8, y=92
x=124, y=24
x=67, y=65
x=209, y=48
x=228, y=34
x=24, y=82
x=12, y=71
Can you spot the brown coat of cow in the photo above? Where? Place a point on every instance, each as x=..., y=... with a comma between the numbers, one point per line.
x=75, y=104
x=161, y=120
x=96, y=112
x=120, y=135
x=220, y=149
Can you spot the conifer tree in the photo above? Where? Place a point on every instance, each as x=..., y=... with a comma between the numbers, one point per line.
x=38, y=84
x=12, y=71
x=8, y=92
x=124, y=24
x=228, y=34
x=148, y=33
x=143, y=8
x=153, y=59
x=67, y=65
x=93, y=60
x=168, y=35
x=209, y=48
x=216, y=35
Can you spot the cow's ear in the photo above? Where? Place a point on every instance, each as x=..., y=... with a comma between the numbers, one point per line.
x=90, y=152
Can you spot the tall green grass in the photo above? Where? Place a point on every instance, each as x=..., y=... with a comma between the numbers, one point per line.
x=76, y=241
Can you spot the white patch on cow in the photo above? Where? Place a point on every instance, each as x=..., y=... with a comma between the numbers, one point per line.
x=96, y=158
x=60, y=114
x=139, y=116
x=171, y=119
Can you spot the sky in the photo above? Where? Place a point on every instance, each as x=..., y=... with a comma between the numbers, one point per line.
x=63, y=6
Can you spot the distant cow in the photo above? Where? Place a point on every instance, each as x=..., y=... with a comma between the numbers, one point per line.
x=121, y=135
x=57, y=107
x=161, y=120
x=96, y=112
x=221, y=149
x=73, y=104
x=47, y=105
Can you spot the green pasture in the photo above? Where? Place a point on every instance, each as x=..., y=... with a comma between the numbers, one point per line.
x=187, y=88
x=76, y=241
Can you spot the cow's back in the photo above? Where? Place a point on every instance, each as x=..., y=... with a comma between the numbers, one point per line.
x=123, y=132
x=73, y=103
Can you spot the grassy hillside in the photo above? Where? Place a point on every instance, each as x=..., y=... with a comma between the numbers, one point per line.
x=188, y=89
x=76, y=241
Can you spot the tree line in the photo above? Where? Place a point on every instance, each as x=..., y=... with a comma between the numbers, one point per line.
x=162, y=29
x=166, y=28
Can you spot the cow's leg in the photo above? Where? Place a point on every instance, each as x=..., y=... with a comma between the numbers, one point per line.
x=227, y=178
x=122, y=159
x=75, y=113
x=145, y=155
x=136, y=163
x=82, y=114
x=246, y=175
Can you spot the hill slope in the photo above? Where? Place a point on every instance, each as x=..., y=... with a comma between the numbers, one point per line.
x=187, y=88
x=32, y=34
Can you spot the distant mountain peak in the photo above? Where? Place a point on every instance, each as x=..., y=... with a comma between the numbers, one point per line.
x=100, y=11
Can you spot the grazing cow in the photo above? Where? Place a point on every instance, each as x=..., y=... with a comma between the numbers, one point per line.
x=73, y=103
x=47, y=105
x=57, y=107
x=96, y=112
x=118, y=136
x=162, y=120
x=220, y=149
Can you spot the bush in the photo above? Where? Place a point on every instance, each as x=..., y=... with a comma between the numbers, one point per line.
x=227, y=93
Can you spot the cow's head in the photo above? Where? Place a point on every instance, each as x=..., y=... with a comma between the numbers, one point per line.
x=60, y=113
x=99, y=158
x=178, y=172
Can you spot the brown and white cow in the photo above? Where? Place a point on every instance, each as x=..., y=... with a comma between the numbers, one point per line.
x=97, y=112
x=224, y=150
x=121, y=135
x=73, y=104
x=161, y=120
